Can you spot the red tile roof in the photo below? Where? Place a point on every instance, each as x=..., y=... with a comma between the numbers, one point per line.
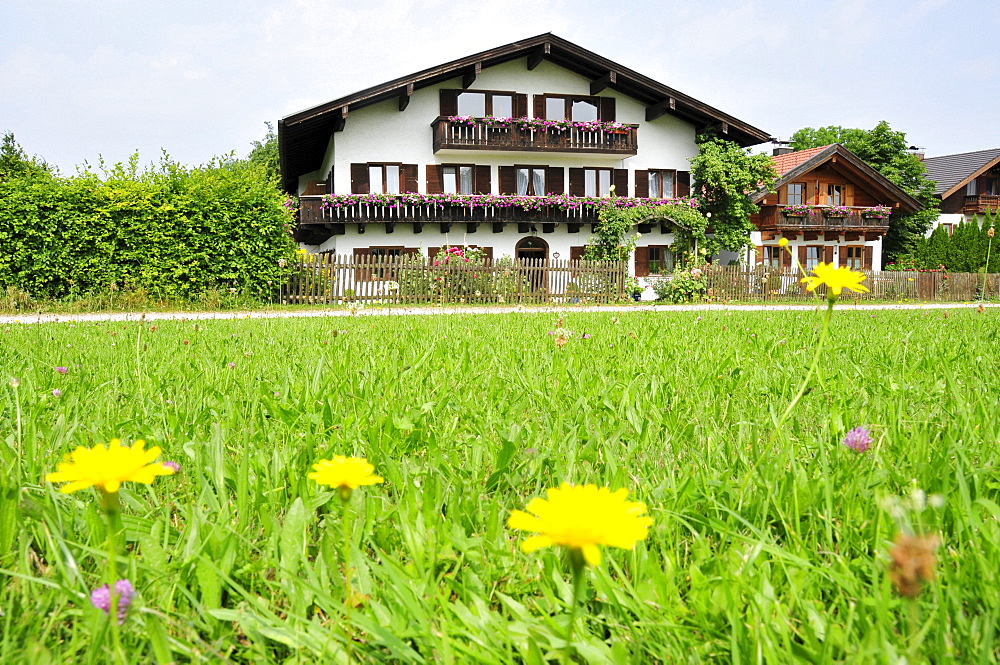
x=785, y=163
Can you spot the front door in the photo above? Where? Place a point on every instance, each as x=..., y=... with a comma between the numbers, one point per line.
x=531, y=252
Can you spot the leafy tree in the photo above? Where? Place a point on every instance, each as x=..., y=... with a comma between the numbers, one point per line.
x=724, y=175
x=15, y=163
x=887, y=152
x=265, y=153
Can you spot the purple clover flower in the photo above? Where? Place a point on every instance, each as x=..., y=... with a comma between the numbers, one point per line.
x=101, y=598
x=62, y=370
x=56, y=392
x=174, y=466
x=858, y=439
x=232, y=365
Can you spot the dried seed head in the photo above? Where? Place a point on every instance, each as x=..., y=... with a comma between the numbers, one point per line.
x=913, y=562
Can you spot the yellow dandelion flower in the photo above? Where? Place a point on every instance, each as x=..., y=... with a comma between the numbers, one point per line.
x=109, y=467
x=836, y=279
x=344, y=472
x=582, y=517
x=783, y=242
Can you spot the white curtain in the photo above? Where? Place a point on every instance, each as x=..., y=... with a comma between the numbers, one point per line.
x=522, y=182
x=465, y=174
x=538, y=181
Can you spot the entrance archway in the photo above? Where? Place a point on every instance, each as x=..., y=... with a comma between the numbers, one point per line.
x=531, y=252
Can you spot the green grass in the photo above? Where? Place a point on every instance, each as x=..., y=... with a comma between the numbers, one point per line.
x=766, y=547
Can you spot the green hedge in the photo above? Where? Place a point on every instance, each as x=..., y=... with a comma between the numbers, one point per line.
x=170, y=229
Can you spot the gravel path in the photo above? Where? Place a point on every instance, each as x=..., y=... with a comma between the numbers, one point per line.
x=431, y=311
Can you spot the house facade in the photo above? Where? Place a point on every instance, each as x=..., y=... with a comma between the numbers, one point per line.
x=830, y=206
x=968, y=185
x=512, y=150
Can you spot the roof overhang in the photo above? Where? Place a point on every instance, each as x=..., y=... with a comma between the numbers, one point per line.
x=303, y=137
x=846, y=161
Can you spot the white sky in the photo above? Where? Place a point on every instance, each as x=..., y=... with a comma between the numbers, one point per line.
x=81, y=79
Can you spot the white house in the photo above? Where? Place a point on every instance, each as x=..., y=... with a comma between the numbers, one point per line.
x=509, y=150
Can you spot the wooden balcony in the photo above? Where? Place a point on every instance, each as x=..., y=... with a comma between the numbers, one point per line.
x=460, y=136
x=772, y=218
x=980, y=203
x=313, y=213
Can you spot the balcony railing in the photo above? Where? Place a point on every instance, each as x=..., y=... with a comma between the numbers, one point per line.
x=312, y=211
x=450, y=135
x=979, y=203
x=773, y=218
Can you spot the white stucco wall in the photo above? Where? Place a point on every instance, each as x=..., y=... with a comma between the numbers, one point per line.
x=876, y=245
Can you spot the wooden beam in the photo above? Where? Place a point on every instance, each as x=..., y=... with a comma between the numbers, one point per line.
x=390, y=227
x=548, y=227
x=523, y=227
x=470, y=227
x=536, y=58
x=361, y=229
x=498, y=227
x=445, y=227
x=340, y=120
x=603, y=82
x=645, y=228
x=418, y=227
x=469, y=77
x=656, y=110
x=404, y=96
x=573, y=227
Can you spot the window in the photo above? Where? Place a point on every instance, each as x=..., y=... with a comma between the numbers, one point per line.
x=482, y=104
x=814, y=254
x=796, y=193
x=970, y=189
x=577, y=109
x=852, y=257
x=991, y=186
x=596, y=182
x=530, y=181
x=457, y=179
x=661, y=184
x=772, y=256
x=661, y=259
x=834, y=195
x=384, y=178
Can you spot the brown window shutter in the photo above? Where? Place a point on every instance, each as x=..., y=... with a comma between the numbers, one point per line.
x=329, y=182
x=642, y=261
x=410, y=251
x=848, y=195
x=828, y=255
x=866, y=258
x=483, y=180
x=576, y=253
x=409, y=175
x=362, y=255
x=786, y=258
x=607, y=109
x=434, y=179
x=432, y=252
x=802, y=257
x=449, y=102
x=520, y=105
x=488, y=253
x=683, y=184
x=620, y=179
x=576, y=186
x=359, y=179
x=642, y=184
x=760, y=253
x=555, y=180
x=539, y=106
x=507, y=185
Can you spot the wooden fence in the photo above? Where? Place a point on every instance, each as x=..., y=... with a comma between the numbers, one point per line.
x=758, y=283
x=333, y=279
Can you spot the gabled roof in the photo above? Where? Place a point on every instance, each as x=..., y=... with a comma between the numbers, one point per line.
x=303, y=136
x=795, y=165
x=952, y=172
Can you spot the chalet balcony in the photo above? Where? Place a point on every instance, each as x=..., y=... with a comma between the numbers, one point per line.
x=980, y=203
x=815, y=220
x=460, y=135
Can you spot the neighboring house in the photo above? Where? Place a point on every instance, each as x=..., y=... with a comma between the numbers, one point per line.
x=426, y=134
x=830, y=205
x=968, y=184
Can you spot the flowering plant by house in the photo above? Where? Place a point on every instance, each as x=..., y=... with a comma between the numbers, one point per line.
x=837, y=211
x=528, y=124
x=526, y=203
x=877, y=212
x=798, y=209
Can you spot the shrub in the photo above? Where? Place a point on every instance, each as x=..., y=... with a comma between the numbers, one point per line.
x=684, y=285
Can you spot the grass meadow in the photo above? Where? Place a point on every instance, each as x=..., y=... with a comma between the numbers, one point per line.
x=767, y=546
